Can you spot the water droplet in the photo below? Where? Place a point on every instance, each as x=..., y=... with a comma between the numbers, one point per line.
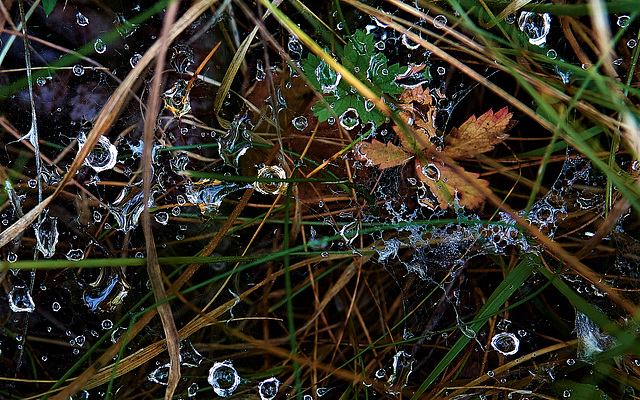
x=103, y=156
x=78, y=70
x=571, y=361
x=349, y=119
x=162, y=217
x=327, y=77
x=100, y=46
x=12, y=257
x=566, y=393
x=552, y=54
x=107, y=324
x=176, y=99
x=208, y=195
x=268, y=389
x=440, y=21
x=192, y=390
x=81, y=19
x=535, y=26
x=402, y=369
x=431, y=171
x=107, y=292
x=133, y=61
x=41, y=81
x=300, y=122
x=181, y=58
x=295, y=47
x=160, y=375
x=441, y=70
x=20, y=300
x=56, y=306
x=271, y=172
x=32, y=183
x=75, y=254
x=632, y=43
x=47, y=236
x=260, y=72
x=623, y=21
x=223, y=378
x=506, y=343
x=80, y=340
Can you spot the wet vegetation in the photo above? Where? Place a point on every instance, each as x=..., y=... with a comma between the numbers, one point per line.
x=341, y=199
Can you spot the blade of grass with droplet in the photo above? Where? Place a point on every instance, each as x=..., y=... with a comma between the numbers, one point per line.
x=503, y=292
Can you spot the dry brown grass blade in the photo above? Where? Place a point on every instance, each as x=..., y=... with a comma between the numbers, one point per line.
x=153, y=267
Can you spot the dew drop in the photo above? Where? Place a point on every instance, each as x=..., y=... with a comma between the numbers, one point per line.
x=75, y=254
x=78, y=70
x=99, y=46
x=12, y=257
x=192, y=390
x=103, y=156
x=223, y=378
x=632, y=43
x=20, y=299
x=552, y=54
x=327, y=77
x=81, y=19
x=300, y=122
x=349, y=119
x=133, y=61
x=56, y=306
x=271, y=172
x=162, y=217
x=260, y=73
x=535, y=26
x=440, y=21
x=623, y=21
x=268, y=389
x=107, y=324
x=506, y=343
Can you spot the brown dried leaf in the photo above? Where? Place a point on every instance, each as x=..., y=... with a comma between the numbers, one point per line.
x=449, y=186
x=479, y=135
x=381, y=154
x=417, y=95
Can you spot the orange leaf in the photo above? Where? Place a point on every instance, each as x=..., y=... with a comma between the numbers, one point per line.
x=416, y=94
x=477, y=136
x=449, y=186
x=383, y=155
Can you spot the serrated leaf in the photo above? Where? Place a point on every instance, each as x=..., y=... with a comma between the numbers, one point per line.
x=449, y=186
x=48, y=6
x=381, y=154
x=479, y=135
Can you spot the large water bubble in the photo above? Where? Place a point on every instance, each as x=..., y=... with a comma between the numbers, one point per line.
x=223, y=378
x=535, y=26
x=505, y=343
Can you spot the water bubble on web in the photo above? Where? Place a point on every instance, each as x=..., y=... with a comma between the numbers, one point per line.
x=300, y=122
x=535, y=26
x=189, y=356
x=566, y=393
x=99, y=46
x=409, y=44
x=623, y=21
x=107, y=324
x=176, y=99
x=223, y=378
x=75, y=254
x=181, y=58
x=350, y=231
x=431, y=171
x=552, y=54
x=107, y=292
x=295, y=47
x=369, y=105
x=632, y=43
x=505, y=343
x=160, y=375
x=133, y=61
x=268, y=389
x=128, y=207
x=236, y=141
x=78, y=70
x=162, y=217
x=56, y=306
x=81, y=20
x=591, y=339
x=208, y=195
x=20, y=299
x=12, y=257
x=103, y=156
x=193, y=389
x=349, y=119
x=327, y=77
x=440, y=21
x=274, y=187
x=260, y=72
x=571, y=361
x=402, y=369
x=47, y=235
